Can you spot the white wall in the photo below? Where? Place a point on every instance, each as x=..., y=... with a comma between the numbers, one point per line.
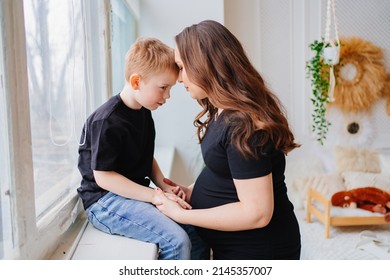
x=275, y=35
x=174, y=121
x=248, y=30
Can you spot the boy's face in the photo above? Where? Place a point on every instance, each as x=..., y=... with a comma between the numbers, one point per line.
x=154, y=92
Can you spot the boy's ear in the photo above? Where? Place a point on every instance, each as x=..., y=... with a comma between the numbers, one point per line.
x=135, y=81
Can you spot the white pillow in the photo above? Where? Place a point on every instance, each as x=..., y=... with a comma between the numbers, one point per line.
x=385, y=162
x=301, y=167
x=297, y=167
x=326, y=184
x=353, y=180
x=357, y=159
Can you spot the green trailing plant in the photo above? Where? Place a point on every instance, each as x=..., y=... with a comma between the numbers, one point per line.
x=318, y=72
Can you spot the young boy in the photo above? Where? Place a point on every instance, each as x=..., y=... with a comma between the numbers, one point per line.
x=117, y=162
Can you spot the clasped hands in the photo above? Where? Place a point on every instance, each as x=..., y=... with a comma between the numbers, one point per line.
x=170, y=203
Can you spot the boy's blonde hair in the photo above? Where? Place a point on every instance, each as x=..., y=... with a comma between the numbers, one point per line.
x=148, y=56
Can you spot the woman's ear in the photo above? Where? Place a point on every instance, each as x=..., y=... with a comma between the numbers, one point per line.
x=135, y=81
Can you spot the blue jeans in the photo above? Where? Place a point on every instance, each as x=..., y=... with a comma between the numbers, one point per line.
x=200, y=250
x=115, y=214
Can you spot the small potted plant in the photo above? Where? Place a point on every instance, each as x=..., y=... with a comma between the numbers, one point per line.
x=332, y=54
x=320, y=69
x=318, y=72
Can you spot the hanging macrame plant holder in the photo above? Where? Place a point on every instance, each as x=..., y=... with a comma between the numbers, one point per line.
x=331, y=52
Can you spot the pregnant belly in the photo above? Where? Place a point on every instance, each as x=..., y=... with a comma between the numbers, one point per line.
x=211, y=190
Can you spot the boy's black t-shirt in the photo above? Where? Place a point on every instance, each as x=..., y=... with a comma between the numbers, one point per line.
x=115, y=138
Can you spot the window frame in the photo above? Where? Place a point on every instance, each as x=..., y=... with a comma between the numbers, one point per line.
x=32, y=238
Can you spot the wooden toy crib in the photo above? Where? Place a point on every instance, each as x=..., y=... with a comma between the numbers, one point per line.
x=321, y=207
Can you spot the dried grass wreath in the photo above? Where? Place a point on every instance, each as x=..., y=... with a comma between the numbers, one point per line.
x=360, y=75
x=386, y=93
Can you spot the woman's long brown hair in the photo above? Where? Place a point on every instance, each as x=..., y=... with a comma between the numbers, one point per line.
x=215, y=61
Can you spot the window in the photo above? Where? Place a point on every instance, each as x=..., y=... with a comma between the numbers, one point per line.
x=58, y=95
x=5, y=222
x=123, y=34
x=53, y=75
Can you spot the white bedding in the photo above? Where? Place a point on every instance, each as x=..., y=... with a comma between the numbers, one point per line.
x=342, y=242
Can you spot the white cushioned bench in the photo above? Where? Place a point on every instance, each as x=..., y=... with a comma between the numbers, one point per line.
x=97, y=245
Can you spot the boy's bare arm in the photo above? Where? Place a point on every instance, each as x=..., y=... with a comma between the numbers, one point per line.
x=157, y=176
x=120, y=185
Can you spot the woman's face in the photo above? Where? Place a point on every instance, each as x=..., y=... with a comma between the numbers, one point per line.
x=195, y=91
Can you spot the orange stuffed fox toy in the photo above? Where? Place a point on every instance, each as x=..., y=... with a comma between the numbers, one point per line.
x=369, y=198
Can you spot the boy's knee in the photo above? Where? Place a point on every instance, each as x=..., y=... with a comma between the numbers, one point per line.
x=183, y=244
x=184, y=239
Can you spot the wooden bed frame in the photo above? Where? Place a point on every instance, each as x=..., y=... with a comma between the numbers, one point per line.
x=315, y=198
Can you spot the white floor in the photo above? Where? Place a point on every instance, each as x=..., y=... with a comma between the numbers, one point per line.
x=342, y=244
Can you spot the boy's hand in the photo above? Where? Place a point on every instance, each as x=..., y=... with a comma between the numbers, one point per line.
x=167, y=206
x=178, y=190
x=178, y=200
x=171, y=196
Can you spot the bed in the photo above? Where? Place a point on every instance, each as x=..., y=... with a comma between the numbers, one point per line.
x=335, y=233
x=320, y=207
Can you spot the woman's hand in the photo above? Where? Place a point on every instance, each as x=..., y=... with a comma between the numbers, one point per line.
x=168, y=206
x=177, y=199
x=180, y=191
x=161, y=196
